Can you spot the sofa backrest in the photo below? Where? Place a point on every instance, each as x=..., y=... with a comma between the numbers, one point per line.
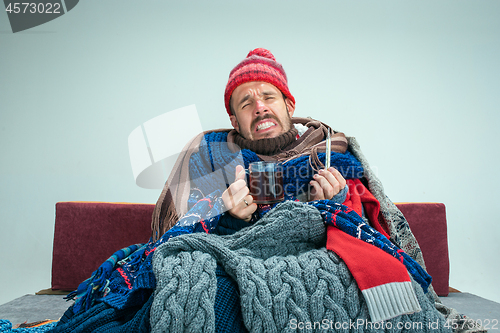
x=88, y=233
x=428, y=224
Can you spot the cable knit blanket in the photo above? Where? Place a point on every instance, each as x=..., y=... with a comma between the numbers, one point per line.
x=287, y=280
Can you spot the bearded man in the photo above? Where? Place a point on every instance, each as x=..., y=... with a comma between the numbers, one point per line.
x=335, y=255
x=260, y=108
x=262, y=115
x=211, y=170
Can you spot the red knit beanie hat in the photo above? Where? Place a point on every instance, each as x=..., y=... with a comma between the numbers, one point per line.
x=259, y=65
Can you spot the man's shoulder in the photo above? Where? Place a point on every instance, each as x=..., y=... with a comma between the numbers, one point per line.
x=216, y=135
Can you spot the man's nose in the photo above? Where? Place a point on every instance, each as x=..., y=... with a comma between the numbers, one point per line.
x=260, y=106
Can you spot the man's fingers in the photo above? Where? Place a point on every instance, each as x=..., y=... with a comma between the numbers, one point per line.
x=234, y=193
x=327, y=187
x=237, y=186
x=329, y=177
x=247, y=204
x=244, y=211
x=238, y=190
x=236, y=197
x=327, y=184
x=316, y=191
x=247, y=200
x=239, y=172
x=336, y=180
x=336, y=173
x=248, y=211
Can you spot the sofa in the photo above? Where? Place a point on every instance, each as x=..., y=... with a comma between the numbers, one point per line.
x=88, y=233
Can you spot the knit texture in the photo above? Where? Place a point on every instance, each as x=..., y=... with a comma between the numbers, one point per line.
x=172, y=202
x=350, y=223
x=259, y=65
x=102, y=318
x=212, y=167
x=6, y=327
x=215, y=155
x=126, y=281
x=284, y=274
x=227, y=308
x=98, y=283
x=268, y=146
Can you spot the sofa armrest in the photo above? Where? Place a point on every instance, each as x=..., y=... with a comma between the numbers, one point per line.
x=88, y=233
x=428, y=223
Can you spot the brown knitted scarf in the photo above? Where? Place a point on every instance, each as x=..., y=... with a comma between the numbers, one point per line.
x=268, y=146
x=172, y=202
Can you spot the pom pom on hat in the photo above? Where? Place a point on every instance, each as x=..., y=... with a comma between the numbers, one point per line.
x=262, y=53
x=259, y=65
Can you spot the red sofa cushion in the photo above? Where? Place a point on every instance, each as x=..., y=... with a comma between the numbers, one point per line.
x=88, y=233
x=428, y=224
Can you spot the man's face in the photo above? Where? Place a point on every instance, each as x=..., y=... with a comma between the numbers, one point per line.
x=260, y=111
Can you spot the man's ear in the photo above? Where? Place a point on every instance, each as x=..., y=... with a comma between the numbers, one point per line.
x=290, y=106
x=234, y=122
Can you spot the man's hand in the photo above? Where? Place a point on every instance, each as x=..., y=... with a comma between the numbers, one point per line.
x=237, y=198
x=326, y=184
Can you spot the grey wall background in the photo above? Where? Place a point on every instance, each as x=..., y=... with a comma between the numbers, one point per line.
x=417, y=82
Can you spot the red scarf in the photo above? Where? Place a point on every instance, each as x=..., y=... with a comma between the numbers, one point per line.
x=385, y=285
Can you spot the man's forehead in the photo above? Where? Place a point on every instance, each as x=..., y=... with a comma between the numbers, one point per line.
x=246, y=90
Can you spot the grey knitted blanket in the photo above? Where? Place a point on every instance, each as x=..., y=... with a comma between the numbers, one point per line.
x=288, y=281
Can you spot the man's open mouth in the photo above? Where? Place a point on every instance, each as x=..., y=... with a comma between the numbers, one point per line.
x=265, y=125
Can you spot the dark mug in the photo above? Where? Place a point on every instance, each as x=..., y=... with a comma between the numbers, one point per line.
x=266, y=182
